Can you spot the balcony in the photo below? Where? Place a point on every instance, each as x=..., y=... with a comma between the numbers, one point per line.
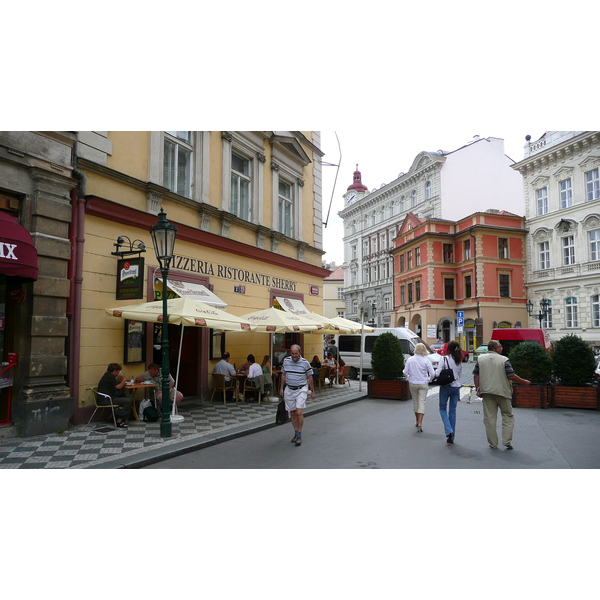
x=566, y=272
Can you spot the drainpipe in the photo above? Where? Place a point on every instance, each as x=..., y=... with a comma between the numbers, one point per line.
x=76, y=275
x=478, y=324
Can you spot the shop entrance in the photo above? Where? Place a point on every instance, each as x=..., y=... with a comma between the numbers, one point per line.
x=191, y=356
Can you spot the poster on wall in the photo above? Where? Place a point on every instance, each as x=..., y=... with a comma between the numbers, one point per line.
x=135, y=341
x=217, y=343
x=130, y=278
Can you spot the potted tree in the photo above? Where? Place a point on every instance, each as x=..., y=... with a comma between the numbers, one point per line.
x=573, y=365
x=531, y=362
x=387, y=362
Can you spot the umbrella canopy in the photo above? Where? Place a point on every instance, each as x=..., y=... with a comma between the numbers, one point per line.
x=352, y=326
x=273, y=320
x=182, y=311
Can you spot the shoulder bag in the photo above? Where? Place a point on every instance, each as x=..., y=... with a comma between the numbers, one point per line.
x=446, y=375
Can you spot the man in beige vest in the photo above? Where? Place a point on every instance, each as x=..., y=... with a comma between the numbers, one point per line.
x=492, y=376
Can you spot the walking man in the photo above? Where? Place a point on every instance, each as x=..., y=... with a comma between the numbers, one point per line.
x=492, y=376
x=296, y=378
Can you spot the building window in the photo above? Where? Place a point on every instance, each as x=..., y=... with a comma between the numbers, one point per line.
x=402, y=203
x=409, y=259
x=285, y=208
x=240, y=187
x=596, y=311
x=177, y=166
x=502, y=248
x=401, y=263
x=353, y=226
x=448, y=258
x=340, y=293
x=410, y=292
x=542, y=201
x=428, y=192
x=402, y=301
x=566, y=193
x=365, y=248
x=417, y=256
x=592, y=184
x=467, y=249
x=504, y=286
x=354, y=255
x=571, y=312
x=387, y=303
x=568, y=248
x=340, y=313
x=544, y=255
x=418, y=290
x=468, y=286
x=547, y=320
x=413, y=201
x=448, y=288
x=354, y=307
x=594, y=244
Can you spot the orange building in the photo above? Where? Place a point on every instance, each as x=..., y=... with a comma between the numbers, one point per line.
x=474, y=266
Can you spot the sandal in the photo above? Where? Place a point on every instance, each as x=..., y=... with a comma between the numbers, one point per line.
x=122, y=425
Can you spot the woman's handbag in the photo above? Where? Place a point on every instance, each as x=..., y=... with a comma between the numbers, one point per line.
x=282, y=414
x=446, y=375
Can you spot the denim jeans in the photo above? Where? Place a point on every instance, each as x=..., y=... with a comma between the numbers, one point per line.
x=452, y=394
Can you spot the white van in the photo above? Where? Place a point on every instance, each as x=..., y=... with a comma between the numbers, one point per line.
x=349, y=348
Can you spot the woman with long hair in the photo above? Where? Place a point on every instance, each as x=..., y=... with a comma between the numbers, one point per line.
x=450, y=393
x=419, y=372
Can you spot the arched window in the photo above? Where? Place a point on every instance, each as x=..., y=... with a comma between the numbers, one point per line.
x=571, y=312
x=428, y=191
x=413, y=202
x=402, y=203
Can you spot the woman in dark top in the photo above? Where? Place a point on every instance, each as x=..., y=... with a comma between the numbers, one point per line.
x=110, y=385
x=315, y=363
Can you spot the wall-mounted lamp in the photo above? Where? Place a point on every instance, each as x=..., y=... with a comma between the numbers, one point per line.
x=135, y=247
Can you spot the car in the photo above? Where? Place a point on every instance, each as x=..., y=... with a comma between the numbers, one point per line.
x=444, y=350
x=483, y=349
x=436, y=347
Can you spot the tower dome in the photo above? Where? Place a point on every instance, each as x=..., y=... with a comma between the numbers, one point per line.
x=357, y=184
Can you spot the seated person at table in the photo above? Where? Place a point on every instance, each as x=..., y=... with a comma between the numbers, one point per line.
x=333, y=366
x=315, y=363
x=341, y=365
x=110, y=385
x=154, y=374
x=224, y=367
x=267, y=374
x=254, y=371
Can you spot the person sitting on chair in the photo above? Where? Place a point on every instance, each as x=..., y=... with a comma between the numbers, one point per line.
x=154, y=374
x=333, y=367
x=111, y=386
x=267, y=375
x=315, y=363
x=254, y=370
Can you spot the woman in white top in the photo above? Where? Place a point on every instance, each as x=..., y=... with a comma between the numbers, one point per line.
x=419, y=372
x=450, y=393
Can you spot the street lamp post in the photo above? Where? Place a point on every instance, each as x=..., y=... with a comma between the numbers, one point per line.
x=544, y=305
x=163, y=237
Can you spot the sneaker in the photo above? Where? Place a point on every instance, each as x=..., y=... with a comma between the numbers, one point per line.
x=509, y=446
x=122, y=425
x=450, y=438
x=492, y=446
x=298, y=441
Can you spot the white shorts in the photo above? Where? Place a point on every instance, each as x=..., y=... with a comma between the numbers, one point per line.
x=295, y=398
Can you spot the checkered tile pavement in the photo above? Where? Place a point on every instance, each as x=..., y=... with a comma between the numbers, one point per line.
x=100, y=442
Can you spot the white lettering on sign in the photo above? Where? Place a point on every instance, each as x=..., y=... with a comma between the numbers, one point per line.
x=7, y=250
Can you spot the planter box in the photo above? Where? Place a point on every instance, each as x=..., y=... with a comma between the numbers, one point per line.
x=388, y=389
x=574, y=396
x=531, y=396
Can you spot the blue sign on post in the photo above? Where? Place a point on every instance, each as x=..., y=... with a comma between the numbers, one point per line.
x=460, y=318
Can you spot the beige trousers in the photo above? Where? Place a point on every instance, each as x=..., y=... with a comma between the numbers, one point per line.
x=491, y=404
x=418, y=391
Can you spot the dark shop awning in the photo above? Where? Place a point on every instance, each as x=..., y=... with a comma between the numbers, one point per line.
x=18, y=256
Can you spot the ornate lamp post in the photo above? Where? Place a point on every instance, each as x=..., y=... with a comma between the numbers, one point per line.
x=163, y=237
x=544, y=305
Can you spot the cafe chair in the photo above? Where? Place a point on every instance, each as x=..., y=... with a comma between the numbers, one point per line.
x=100, y=397
x=254, y=386
x=323, y=371
x=345, y=376
x=220, y=385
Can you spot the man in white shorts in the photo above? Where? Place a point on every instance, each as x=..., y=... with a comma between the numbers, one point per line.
x=296, y=378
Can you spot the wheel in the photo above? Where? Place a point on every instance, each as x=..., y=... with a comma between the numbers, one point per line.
x=353, y=373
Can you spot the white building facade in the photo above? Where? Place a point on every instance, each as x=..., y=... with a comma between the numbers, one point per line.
x=442, y=185
x=561, y=181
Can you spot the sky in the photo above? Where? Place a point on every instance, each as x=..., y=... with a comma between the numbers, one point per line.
x=382, y=154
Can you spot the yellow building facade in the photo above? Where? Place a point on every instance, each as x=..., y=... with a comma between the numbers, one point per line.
x=248, y=209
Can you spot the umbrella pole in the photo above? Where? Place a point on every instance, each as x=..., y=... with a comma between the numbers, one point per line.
x=175, y=418
x=273, y=397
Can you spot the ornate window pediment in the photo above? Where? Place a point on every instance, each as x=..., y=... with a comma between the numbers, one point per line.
x=565, y=225
x=591, y=221
x=591, y=162
x=542, y=234
x=540, y=182
x=564, y=173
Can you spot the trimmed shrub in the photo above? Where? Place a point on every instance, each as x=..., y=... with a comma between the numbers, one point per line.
x=573, y=361
x=531, y=362
x=387, y=358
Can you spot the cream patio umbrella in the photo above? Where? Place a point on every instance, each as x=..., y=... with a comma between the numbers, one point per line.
x=353, y=326
x=184, y=312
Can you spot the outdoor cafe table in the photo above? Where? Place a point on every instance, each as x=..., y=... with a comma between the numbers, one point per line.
x=133, y=388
